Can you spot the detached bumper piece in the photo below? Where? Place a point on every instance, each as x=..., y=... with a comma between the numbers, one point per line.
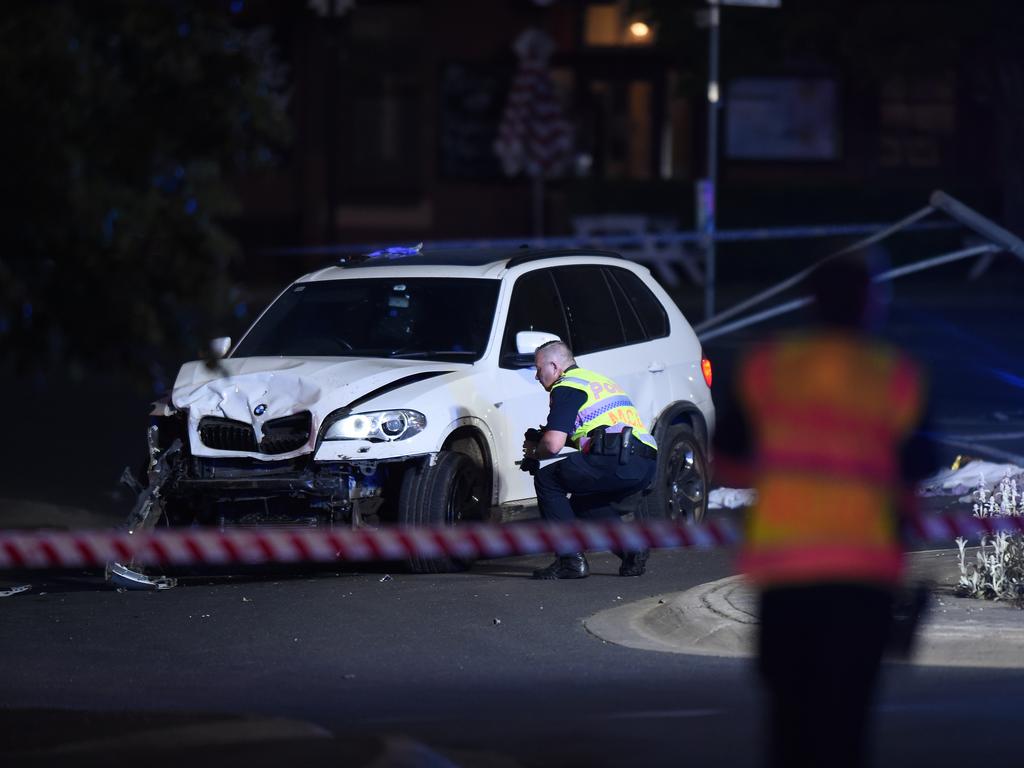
x=123, y=577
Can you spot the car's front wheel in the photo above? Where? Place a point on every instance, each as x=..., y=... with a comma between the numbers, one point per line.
x=680, y=487
x=447, y=493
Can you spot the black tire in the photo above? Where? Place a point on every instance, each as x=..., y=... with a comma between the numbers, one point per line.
x=680, y=487
x=450, y=492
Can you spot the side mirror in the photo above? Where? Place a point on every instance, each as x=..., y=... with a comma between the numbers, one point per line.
x=528, y=341
x=220, y=347
x=526, y=344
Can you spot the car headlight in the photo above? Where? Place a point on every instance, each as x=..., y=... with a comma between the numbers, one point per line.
x=377, y=426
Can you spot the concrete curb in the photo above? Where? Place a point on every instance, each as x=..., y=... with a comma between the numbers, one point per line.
x=719, y=619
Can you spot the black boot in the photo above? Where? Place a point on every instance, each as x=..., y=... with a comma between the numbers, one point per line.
x=572, y=566
x=634, y=563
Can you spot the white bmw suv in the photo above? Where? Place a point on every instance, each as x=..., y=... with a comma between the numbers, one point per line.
x=396, y=388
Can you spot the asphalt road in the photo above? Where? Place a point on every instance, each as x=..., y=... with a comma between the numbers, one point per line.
x=485, y=668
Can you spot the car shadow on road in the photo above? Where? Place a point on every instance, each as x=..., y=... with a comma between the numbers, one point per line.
x=519, y=569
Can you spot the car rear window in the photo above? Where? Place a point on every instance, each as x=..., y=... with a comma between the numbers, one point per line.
x=648, y=309
x=593, y=317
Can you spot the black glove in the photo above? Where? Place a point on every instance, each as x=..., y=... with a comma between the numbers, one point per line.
x=533, y=435
x=530, y=465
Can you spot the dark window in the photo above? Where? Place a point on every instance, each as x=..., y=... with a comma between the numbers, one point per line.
x=535, y=306
x=593, y=318
x=648, y=308
x=631, y=325
x=431, y=318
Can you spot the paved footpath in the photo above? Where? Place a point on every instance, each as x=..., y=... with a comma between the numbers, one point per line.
x=719, y=619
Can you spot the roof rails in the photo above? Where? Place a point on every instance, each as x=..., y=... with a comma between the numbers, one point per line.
x=550, y=253
x=415, y=256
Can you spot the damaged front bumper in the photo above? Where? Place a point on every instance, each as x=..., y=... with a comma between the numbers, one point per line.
x=183, y=489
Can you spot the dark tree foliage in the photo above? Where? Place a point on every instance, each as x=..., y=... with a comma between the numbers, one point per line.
x=123, y=122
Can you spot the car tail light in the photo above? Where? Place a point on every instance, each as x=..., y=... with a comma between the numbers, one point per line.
x=705, y=368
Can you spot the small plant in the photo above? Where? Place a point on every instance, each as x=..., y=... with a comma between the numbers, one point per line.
x=997, y=572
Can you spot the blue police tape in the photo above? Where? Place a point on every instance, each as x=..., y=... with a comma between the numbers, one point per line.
x=615, y=241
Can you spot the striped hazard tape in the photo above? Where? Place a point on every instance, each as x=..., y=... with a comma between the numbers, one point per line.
x=196, y=546
x=254, y=546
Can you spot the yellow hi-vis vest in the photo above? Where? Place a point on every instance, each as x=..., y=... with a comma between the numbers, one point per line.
x=829, y=414
x=607, y=405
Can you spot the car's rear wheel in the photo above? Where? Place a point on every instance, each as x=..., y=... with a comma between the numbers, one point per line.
x=448, y=493
x=680, y=487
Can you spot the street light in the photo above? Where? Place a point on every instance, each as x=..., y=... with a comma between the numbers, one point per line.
x=707, y=192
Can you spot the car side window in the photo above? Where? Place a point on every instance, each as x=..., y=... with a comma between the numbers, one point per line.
x=631, y=324
x=648, y=309
x=593, y=317
x=535, y=306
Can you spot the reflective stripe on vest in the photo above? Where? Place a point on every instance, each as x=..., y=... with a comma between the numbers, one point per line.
x=829, y=414
x=607, y=405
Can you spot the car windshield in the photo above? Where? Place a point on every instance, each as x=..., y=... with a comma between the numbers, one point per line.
x=422, y=318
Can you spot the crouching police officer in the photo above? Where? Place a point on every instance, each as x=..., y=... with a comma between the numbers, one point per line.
x=616, y=460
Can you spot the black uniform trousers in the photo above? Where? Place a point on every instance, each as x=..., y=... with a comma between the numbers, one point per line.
x=601, y=488
x=820, y=650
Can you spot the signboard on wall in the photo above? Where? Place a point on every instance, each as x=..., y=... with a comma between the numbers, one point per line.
x=784, y=118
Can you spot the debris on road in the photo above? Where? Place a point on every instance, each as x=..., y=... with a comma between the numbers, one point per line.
x=15, y=590
x=385, y=577
x=731, y=498
x=497, y=621
x=124, y=577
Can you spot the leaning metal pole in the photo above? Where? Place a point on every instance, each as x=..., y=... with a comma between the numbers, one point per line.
x=790, y=282
x=884, y=277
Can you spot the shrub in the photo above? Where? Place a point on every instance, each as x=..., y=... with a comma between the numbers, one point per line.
x=997, y=572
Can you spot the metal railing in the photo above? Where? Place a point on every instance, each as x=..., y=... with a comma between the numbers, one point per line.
x=998, y=239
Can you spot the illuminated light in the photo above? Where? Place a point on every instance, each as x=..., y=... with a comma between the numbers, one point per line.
x=377, y=426
x=396, y=252
x=639, y=29
x=713, y=92
x=705, y=368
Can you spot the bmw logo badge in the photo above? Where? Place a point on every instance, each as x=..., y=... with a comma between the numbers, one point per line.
x=260, y=409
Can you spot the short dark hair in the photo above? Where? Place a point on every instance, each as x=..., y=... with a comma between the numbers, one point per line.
x=560, y=351
x=552, y=343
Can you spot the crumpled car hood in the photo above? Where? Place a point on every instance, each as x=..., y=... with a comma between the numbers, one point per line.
x=284, y=386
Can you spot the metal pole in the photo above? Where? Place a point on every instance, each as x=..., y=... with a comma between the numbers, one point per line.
x=714, y=22
x=884, y=277
x=983, y=226
x=793, y=280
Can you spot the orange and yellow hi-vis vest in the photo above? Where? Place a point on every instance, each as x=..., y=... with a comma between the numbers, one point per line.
x=829, y=414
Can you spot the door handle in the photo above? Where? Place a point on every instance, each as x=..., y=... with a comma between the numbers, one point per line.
x=656, y=367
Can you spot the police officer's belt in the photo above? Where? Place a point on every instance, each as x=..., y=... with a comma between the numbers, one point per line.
x=604, y=443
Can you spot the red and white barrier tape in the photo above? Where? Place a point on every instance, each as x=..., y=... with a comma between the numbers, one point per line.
x=197, y=546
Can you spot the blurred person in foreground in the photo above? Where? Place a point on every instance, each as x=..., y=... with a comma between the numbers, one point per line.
x=826, y=426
